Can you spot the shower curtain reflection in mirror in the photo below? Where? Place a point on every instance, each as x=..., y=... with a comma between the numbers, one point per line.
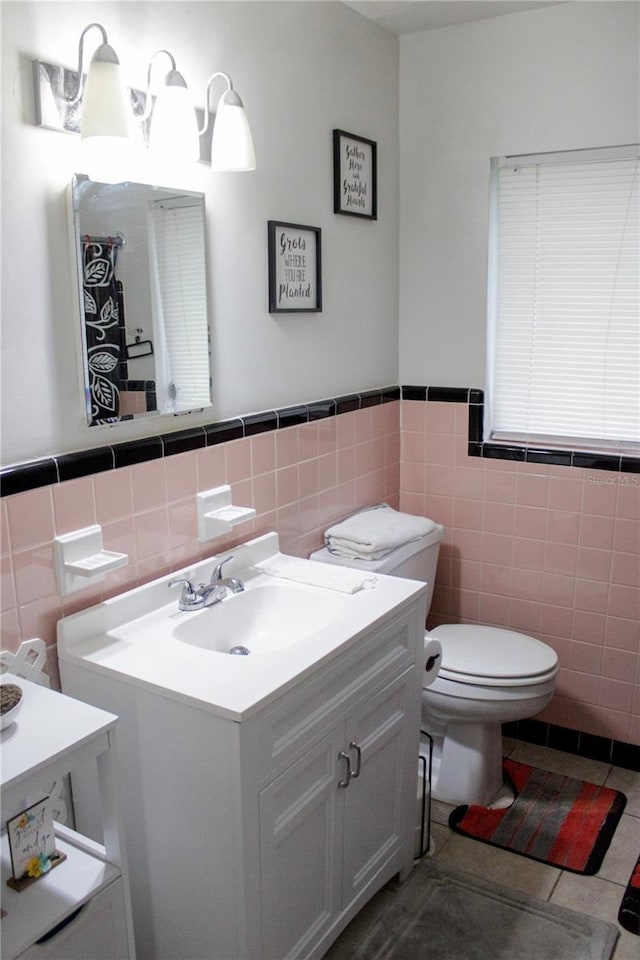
x=104, y=327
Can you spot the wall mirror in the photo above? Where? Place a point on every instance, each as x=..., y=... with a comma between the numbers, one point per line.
x=140, y=256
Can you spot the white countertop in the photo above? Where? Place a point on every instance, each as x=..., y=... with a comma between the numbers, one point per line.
x=48, y=726
x=131, y=636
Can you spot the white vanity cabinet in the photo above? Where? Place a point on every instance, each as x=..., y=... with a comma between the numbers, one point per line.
x=242, y=842
x=267, y=797
x=81, y=908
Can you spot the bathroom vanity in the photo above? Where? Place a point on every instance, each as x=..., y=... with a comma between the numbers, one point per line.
x=81, y=908
x=267, y=797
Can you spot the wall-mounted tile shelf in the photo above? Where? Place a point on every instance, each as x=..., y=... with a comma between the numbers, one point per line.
x=101, y=562
x=81, y=558
x=217, y=515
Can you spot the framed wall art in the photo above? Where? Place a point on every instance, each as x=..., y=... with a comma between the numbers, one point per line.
x=354, y=175
x=295, y=268
x=32, y=844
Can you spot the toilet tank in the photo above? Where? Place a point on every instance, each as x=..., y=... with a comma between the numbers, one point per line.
x=416, y=560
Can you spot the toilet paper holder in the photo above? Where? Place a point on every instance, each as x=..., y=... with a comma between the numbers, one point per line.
x=431, y=662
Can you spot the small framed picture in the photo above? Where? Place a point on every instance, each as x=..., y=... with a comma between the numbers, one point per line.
x=295, y=268
x=32, y=844
x=354, y=175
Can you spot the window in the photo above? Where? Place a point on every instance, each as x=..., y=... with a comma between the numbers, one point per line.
x=564, y=300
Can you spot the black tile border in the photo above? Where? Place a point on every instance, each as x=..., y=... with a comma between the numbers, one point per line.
x=448, y=394
x=183, y=441
x=136, y=451
x=71, y=466
x=321, y=409
x=74, y=465
x=260, y=423
x=348, y=403
x=616, y=752
x=513, y=452
x=223, y=431
x=292, y=416
x=29, y=476
x=414, y=393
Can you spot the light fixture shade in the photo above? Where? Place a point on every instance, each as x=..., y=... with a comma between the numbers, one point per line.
x=173, y=130
x=105, y=107
x=232, y=144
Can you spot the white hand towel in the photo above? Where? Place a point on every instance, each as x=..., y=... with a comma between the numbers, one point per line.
x=316, y=574
x=372, y=534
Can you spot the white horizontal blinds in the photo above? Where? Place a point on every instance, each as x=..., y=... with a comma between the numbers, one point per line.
x=182, y=284
x=567, y=302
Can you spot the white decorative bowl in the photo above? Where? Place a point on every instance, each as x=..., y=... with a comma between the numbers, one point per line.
x=11, y=702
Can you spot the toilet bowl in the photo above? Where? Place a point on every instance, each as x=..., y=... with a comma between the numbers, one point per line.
x=488, y=676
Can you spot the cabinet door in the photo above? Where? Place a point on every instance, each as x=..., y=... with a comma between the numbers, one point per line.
x=300, y=819
x=380, y=736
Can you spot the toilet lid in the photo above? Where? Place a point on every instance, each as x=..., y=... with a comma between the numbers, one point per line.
x=492, y=656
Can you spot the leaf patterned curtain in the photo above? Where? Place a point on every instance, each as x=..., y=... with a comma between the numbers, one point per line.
x=103, y=327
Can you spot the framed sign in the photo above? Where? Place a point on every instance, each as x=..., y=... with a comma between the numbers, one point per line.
x=295, y=276
x=354, y=176
x=32, y=844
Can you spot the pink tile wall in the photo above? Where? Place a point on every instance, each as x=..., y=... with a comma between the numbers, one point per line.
x=550, y=551
x=299, y=479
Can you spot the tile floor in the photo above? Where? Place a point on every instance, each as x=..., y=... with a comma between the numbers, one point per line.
x=599, y=895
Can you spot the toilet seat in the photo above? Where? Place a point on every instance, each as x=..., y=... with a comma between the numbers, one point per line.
x=493, y=656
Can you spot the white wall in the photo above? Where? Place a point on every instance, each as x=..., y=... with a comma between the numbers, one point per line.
x=302, y=69
x=557, y=78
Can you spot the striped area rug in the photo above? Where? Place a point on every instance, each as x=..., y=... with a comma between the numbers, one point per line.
x=558, y=820
x=629, y=914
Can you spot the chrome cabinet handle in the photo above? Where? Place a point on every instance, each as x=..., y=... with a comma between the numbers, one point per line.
x=354, y=746
x=345, y=756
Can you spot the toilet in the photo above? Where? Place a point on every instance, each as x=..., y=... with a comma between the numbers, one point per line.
x=488, y=676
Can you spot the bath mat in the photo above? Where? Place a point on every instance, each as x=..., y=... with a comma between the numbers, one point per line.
x=445, y=914
x=558, y=820
x=629, y=913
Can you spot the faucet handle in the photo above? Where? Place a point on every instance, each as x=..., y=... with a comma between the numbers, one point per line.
x=216, y=576
x=189, y=596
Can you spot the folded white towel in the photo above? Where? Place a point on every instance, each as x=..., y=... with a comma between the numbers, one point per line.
x=372, y=534
x=316, y=574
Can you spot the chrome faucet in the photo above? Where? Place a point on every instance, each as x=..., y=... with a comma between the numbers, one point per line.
x=205, y=595
x=232, y=584
x=190, y=598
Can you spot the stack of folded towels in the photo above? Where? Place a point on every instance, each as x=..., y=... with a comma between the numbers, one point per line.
x=375, y=532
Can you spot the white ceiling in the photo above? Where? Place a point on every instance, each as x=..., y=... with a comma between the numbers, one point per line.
x=413, y=16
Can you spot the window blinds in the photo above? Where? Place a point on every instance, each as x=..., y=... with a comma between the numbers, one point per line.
x=183, y=300
x=564, y=305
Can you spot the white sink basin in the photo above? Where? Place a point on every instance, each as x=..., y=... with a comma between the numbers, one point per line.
x=264, y=618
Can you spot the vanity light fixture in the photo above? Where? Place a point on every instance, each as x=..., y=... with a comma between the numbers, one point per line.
x=173, y=128
x=108, y=109
x=105, y=108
